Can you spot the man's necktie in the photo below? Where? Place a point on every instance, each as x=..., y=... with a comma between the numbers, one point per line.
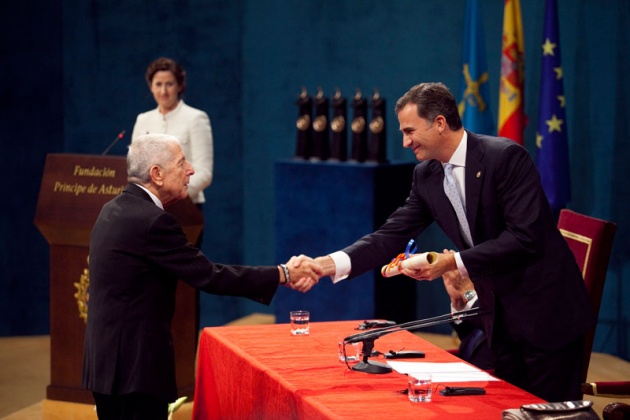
x=450, y=188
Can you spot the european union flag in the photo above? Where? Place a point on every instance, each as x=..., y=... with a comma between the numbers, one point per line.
x=473, y=107
x=551, y=139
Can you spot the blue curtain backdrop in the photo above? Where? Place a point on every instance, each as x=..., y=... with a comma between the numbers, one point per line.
x=73, y=78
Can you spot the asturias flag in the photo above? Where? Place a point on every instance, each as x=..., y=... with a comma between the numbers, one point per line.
x=474, y=90
x=551, y=139
x=512, y=119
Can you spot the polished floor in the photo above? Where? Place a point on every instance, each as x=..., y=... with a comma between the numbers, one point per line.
x=25, y=373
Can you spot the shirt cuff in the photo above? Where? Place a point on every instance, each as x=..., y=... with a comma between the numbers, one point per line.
x=342, y=266
x=469, y=305
x=460, y=265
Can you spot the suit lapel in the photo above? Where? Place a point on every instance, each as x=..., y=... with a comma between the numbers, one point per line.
x=438, y=196
x=474, y=179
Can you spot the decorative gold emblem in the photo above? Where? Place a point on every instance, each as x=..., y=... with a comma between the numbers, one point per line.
x=338, y=124
x=358, y=125
x=303, y=122
x=82, y=294
x=377, y=125
x=320, y=123
x=472, y=95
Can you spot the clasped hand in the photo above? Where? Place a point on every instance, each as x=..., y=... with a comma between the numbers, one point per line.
x=304, y=273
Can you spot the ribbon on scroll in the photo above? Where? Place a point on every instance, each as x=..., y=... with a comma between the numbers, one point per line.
x=414, y=262
x=410, y=260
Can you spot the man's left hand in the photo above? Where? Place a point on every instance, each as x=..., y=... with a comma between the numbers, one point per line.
x=444, y=263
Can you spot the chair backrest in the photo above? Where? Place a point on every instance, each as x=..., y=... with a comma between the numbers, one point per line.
x=590, y=240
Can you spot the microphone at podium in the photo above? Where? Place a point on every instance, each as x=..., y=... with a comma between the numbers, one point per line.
x=116, y=140
x=367, y=338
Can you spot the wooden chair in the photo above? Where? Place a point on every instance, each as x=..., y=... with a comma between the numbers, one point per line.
x=616, y=411
x=620, y=389
x=590, y=240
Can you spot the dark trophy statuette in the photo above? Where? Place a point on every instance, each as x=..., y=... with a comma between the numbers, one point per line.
x=304, y=147
x=359, y=128
x=321, y=147
x=377, y=143
x=339, y=130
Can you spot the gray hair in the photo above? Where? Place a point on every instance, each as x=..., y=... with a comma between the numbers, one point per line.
x=146, y=151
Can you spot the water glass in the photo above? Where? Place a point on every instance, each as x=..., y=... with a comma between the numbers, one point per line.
x=299, y=322
x=348, y=352
x=419, y=387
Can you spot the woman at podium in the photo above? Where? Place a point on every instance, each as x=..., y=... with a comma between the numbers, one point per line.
x=167, y=82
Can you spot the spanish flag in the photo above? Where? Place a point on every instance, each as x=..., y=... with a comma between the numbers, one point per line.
x=512, y=119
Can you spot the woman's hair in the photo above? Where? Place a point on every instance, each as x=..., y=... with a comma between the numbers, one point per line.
x=167, y=64
x=146, y=151
x=432, y=99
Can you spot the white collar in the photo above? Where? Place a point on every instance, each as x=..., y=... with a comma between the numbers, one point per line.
x=153, y=196
x=174, y=111
x=459, y=157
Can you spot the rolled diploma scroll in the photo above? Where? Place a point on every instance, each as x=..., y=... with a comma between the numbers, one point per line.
x=414, y=262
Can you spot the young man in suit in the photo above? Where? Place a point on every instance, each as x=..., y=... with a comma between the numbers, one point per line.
x=509, y=246
x=137, y=254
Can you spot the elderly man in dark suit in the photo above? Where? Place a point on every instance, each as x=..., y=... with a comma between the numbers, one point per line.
x=137, y=253
x=509, y=245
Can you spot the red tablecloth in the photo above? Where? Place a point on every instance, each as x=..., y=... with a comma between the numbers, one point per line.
x=263, y=372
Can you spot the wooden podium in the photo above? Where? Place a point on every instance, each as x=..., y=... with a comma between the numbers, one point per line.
x=74, y=189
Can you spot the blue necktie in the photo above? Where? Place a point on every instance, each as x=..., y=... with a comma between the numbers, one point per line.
x=450, y=188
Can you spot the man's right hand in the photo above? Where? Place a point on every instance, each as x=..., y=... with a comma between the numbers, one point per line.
x=327, y=264
x=455, y=285
x=304, y=273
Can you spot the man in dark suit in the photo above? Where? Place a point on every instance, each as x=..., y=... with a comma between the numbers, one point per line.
x=522, y=269
x=137, y=253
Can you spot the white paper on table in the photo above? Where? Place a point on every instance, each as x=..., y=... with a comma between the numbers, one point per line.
x=443, y=372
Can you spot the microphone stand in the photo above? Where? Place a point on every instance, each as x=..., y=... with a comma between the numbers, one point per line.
x=116, y=140
x=368, y=338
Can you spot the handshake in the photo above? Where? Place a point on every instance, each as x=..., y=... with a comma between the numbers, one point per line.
x=304, y=272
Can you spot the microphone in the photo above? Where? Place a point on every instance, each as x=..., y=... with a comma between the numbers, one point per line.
x=116, y=140
x=368, y=337
x=428, y=322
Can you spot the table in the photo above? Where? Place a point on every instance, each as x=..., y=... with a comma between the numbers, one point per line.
x=264, y=372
